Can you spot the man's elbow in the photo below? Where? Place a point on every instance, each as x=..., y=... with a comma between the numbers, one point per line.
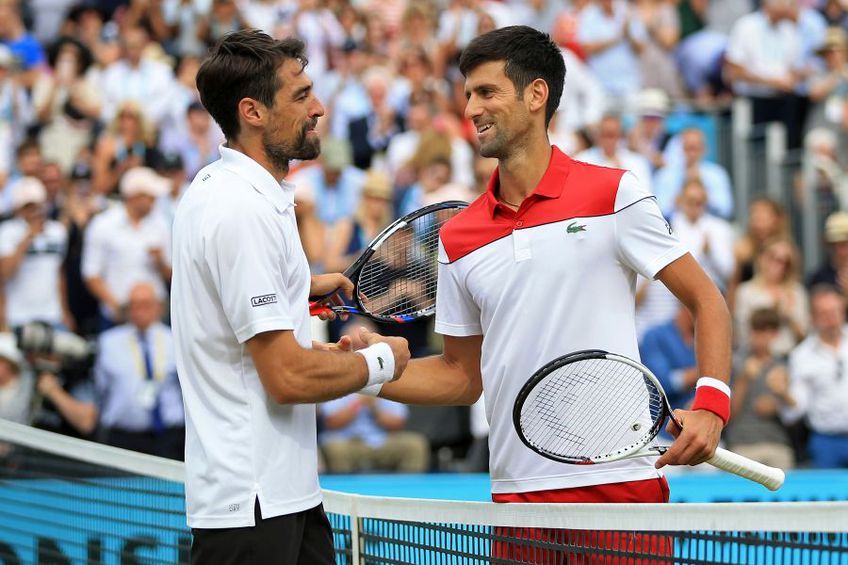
x=288, y=387
x=284, y=393
x=472, y=393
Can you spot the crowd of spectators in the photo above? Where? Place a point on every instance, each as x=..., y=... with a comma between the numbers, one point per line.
x=101, y=129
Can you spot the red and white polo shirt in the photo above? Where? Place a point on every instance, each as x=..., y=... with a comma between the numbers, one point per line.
x=554, y=277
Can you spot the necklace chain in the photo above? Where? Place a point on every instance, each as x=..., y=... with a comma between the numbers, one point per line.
x=508, y=203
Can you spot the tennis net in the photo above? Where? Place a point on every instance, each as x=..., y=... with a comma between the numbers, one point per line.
x=67, y=501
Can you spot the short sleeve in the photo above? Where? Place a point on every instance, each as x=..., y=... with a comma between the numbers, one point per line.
x=245, y=253
x=456, y=312
x=644, y=238
x=8, y=239
x=94, y=252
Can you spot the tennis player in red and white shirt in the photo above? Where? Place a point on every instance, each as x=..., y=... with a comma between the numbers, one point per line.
x=544, y=263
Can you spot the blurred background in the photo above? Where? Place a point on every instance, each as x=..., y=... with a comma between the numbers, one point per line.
x=733, y=112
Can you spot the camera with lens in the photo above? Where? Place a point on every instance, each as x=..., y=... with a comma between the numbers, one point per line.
x=52, y=350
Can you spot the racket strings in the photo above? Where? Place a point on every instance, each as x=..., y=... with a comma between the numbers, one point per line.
x=400, y=278
x=591, y=409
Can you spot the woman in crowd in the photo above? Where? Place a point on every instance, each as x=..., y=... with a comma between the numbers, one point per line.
x=775, y=284
x=129, y=142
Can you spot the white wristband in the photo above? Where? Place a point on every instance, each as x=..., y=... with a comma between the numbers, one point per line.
x=381, y=363
x=714, y=383
x=373, y=390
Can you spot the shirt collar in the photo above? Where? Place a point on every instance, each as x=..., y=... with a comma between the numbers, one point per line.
x=281, y=194
x=550, y=186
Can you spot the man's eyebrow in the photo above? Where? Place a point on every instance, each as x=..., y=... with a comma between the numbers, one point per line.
x=303, y=90
x=479, y=87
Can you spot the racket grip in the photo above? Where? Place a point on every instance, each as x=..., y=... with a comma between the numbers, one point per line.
x=770, y=477
x=316, y=308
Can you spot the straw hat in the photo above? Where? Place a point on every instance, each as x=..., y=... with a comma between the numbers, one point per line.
x=836, y=227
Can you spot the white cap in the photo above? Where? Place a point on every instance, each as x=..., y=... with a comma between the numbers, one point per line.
x=653, y=102
x=144, y=180
x=9, y=350
x=28, y=190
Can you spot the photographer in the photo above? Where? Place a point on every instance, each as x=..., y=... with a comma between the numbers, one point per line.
x=15, y=384
x=64, y=400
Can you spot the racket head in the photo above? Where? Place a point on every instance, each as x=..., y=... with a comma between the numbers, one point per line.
x=395, y=277
x=590, y=407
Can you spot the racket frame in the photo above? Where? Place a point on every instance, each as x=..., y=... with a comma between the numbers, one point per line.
x=633, y=450
x=354, y=271
x=770, y=477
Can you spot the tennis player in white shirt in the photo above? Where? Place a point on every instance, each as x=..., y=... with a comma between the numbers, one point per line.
x=249, y=372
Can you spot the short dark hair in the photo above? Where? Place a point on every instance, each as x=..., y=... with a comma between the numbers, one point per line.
x=765, y=319
x=240, y=65
x=528, y=54
x=823, y=289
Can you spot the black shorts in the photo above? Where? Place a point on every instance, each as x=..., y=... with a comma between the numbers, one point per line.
x=304, y=538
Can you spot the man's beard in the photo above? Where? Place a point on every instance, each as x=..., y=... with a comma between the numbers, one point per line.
x=280, y=153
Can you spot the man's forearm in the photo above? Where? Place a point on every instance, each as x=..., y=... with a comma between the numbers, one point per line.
x=434, y=381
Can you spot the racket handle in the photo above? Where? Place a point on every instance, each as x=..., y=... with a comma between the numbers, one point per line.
x=316, y=308
x=770, y=477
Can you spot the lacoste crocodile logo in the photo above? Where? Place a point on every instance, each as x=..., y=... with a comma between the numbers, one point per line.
x=574, y=228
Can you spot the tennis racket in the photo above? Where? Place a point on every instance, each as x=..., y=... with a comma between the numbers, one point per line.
x=594, y=407
x=395, y=277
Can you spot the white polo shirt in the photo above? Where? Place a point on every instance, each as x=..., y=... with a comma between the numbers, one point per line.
x=32, y=293
x=555, y=277
x=240, y=270
x=766, y=49
x=118, y=251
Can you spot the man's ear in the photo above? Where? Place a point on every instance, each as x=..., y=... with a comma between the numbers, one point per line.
x=251, y=112
x=537, y=94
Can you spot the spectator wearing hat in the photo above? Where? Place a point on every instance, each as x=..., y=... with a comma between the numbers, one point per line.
x=333, y=185
x=373, y=213
x=649, y=136
x=128, y=244
x=15, y=384
x=171, y=167
x=834, y=269
x=32, y=250
x=67, y=103
x=670, y=179
x=829, y=88
x=16, y=113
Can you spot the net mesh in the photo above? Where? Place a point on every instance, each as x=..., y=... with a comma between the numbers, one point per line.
x=66, y=501
x=567, y=414
x=399, y=279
